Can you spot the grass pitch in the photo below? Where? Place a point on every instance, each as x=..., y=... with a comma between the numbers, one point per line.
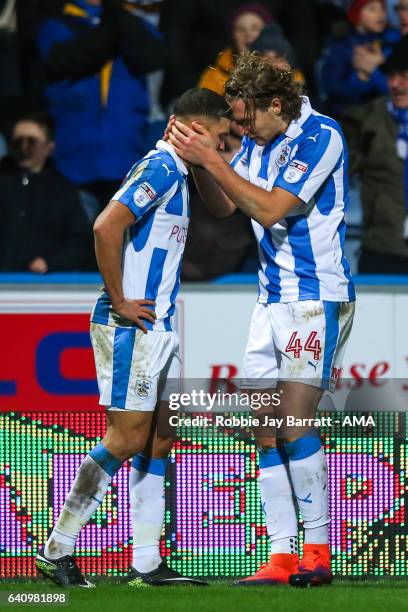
x=341, y=596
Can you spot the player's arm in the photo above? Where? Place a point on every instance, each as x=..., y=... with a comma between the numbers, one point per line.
x=266, y=207
x=109, y=229
x=217, y=202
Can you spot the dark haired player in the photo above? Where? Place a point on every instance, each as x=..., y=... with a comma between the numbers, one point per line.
x=139, y=240
x=290, y=177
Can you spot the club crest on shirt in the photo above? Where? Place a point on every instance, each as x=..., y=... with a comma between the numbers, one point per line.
x=142, y=387
x=295, y=171
x=144, y=195
x=283, y=156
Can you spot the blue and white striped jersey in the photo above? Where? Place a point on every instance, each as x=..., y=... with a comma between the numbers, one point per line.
x=156, y=192
x=302, y=257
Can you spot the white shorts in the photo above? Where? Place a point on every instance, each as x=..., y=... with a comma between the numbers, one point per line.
x=297, y=341
x=134, y=369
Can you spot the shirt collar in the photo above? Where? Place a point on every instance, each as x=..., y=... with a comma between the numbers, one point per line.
x=161, y=144
x=295, y=126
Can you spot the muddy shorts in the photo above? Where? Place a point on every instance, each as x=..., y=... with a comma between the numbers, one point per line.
x=297, y=341
x=134, y=369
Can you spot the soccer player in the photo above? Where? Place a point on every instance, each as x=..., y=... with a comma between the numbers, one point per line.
x=290, y=177
x=139, y=240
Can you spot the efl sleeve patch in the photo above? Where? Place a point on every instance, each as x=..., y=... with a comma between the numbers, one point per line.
x=146, y=185
x=295, y=171
x=144, y=195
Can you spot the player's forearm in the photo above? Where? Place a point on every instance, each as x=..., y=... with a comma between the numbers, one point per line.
x=108, y=251
x=253, y=201
x=215, y=199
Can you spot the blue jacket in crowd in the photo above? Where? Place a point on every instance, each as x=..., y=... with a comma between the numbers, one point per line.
x=339, y=79
x=95, y=66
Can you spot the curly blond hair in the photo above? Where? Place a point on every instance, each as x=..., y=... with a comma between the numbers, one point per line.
x=257, y=81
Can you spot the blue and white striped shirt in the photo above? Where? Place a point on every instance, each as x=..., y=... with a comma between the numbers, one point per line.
x=156, y=192
x=302, y=257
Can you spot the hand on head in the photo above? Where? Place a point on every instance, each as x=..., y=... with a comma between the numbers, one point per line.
x=192, y=144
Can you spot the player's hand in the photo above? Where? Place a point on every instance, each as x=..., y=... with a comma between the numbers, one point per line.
x=135, y=311
x=193, y=145
x=38, y=265
x=169, y=127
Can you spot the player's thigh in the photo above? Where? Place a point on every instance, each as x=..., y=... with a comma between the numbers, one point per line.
x=127, y=423
x=260, y=368
x=311, y=338
x=127, y=432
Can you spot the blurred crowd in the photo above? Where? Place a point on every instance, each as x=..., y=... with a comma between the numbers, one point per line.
x=87, y=86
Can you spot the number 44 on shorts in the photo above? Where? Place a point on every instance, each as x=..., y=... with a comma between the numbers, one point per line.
x=312, y=345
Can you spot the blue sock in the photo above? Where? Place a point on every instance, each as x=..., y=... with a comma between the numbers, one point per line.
x=303, y=447
x=150, y=465
x=105, y=459
x=272, y=456
x=87, y=492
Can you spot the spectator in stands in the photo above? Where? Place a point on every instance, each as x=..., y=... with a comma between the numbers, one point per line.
x=96, y=55
x=195, y=32
x=244, y=25
x=380, y=155
x=402, y=11
x=351, y=70
x=43, y=224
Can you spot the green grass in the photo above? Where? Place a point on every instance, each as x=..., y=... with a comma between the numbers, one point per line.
x=341, y=596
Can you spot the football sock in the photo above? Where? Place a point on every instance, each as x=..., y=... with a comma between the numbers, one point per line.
x=147, y=505
x=308, y=473
x=285, y=545
x=317, y=535
x=277, y=500
x=87, y=492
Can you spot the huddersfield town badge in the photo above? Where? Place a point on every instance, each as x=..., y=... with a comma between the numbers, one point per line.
x=143, y=386
x=283, y=156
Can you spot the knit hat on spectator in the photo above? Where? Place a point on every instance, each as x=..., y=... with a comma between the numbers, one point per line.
x=253, y=7
x=398, y=60
x=355, y=8
x=273, y=39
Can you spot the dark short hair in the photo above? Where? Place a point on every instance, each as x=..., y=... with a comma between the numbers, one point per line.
x=43, y=120
x=201, y=102
x=257, y=81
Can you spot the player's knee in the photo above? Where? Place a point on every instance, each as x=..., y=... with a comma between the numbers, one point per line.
x=129, y=447
x=124, y=445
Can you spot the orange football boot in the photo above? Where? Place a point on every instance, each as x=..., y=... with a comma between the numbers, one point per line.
x=277, y=571
x=314, y=567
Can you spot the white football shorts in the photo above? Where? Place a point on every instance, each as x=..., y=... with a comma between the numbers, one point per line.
x=297, y=341
x=134, y=369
